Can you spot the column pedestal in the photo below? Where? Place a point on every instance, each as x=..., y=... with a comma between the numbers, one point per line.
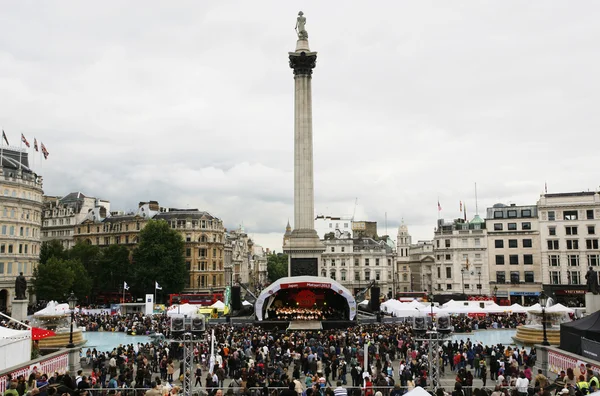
x=19, y=310
x=74, y=361
x=592, y=303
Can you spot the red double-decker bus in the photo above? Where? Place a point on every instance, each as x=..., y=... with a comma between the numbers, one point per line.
x=204, y=299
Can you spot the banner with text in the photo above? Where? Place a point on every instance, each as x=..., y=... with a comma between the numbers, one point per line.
x=590, y=349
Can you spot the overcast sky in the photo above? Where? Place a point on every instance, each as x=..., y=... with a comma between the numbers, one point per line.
x=191, y=103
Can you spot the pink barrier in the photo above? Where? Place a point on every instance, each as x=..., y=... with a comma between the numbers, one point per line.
x=58, y=363
x=558, y=362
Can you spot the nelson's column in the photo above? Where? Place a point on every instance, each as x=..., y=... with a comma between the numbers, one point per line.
x=303, y=246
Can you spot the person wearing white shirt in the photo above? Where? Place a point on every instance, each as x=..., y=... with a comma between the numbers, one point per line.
x=522, y=384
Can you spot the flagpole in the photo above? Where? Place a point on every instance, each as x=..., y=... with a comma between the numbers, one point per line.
x=154, y=294
x=2, y=150
x=476, y=203
x=123, y=292
x=21, y=151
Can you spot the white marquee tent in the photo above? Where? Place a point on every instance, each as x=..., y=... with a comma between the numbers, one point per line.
x=15, y=347
x=495, y=308
x=183, y=309
x=516, y=308
x=218, y=304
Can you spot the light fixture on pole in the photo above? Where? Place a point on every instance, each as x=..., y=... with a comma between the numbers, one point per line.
x=543, y=301
x=72, y=300
x=479, y=284
x=495, y=294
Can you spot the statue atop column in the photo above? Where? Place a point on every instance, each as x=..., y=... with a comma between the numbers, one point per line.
x=20, y=287
x=300, y=23
x=592, y=281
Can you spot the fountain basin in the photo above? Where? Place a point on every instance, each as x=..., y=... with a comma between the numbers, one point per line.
x=534, y=334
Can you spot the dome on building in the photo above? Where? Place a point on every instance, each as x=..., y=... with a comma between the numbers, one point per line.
x=499, y=205
x=477, y=220
x=403, y=229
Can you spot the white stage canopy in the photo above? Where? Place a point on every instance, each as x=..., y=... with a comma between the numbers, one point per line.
x=15, y=347
x=183, y=309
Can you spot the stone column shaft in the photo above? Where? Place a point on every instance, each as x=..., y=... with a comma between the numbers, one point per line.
x=304, y=208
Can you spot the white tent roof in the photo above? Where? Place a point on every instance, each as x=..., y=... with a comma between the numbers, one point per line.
x=460, y=309
x=218, y=304
x=246, y=303
x=417, y=391
x=366, y=302
x=451, y=302
x=534, y=308
x=15, y=347
x=399, y=309
x=516, y=308
x=53, y=308
x=427, y=309
x=418, y=305
x=182, y=309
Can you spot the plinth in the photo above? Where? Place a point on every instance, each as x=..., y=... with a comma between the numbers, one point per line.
x=592, y=303
x=19, y=310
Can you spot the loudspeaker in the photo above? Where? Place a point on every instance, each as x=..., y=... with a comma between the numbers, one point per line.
x=176, y=324
x=236, y=298
x=444, y=325
x=375, y=299
x=419, y=324
x=198, y=324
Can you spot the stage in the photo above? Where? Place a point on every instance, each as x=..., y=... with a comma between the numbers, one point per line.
x=305, y=325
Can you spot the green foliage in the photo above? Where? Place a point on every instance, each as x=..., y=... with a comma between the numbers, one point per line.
x=54, y=279
x=277, y=266
x=113, y=268
x=82, y=282
x=158, y=258
x=52, y=248
x=87, y=254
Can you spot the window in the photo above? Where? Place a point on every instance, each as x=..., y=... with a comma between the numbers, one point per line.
x=572, y=244
x=499, y=260
x=447, y=242
x=333, y=248
x=366, y=261
x=404, y=278
x=528, y=259
x=526, y=213
x=573, y=260
x=512, y=214
x=498, y=214
x=188, y=252
x=512, y=226
x=449, y=286
x=591, y=244
x=500, y=277
x=551, y=230
x=389, y=262
x=367, y=275
x=591, y=230
x=589, y=214
x=526, y=225
x=477, y=256
x=448, y=272
x=332, y=275
x=513, y=259
x=439, y=271
x=553, y=245
x=571, y=230
x=467, y=286
x=570, y=215
x=3, y=248
x=356, y=275
x=513, y=243
x=593, y=260
x=343, y=275
x=465, y=242
x=188, y=265
x=527, y=243
x=333, y=262
x=376, y=261
x=377, y=275
x=498, y=243
x=343, y=249
x=448, y=257
x=555, y=277
x=551, y=215
x=343, y=262
x=574, y=277
x=356, y=262
x=497, y=226
x=529, y=277
x=515, y=277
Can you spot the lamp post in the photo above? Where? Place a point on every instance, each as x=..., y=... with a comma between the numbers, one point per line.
x=479, y=284
x=462, y=277
x=543, y=301
x=495, y=293
x=72, y=300
x=430, y=298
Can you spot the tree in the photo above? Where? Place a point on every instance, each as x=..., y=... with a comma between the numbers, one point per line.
x=88, y=255
x=114, y=268
x=82, y=282
x=158, y=258
x=53, y=279
x=52, y=248
x=277, y=266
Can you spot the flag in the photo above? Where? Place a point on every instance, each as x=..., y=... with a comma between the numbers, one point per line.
x=44, y=151
x=461, y=206
x=35, y=146
x=125, y=286
x=546, y=187
x=439, y=206
x=24, y=140
x=156, y=286
x=4, y=137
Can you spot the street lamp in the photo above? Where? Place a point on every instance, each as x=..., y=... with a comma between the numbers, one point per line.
x=430, y=298
x=543, y=301
x=479, y=284
x=72, y=300
x=495, y=293
x=462, y=276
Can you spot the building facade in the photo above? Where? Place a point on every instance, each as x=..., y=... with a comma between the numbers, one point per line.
x=21, y=197
x=461, y=264
x=356, y=262
x=60, y=215
x=514, y=259
x=327, y=224
x=569, y=229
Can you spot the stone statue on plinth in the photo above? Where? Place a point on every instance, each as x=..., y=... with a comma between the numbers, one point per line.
x=300, y=23
x=20, y=287
x=592, y=281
